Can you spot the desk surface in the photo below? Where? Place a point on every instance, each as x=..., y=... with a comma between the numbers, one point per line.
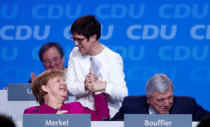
x=104, y=124
x=7, y=107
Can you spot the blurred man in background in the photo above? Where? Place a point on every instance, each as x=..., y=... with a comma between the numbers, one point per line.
x=51, y=55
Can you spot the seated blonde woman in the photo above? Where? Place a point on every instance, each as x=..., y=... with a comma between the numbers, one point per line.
x=50, y=90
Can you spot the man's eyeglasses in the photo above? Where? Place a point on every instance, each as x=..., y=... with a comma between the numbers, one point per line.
x=78, y=40
x=48, y=61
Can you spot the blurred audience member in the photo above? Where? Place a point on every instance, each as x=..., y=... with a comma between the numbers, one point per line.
x=205, y=122
x=6, y=122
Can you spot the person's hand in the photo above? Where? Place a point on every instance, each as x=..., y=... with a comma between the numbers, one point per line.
x=98, y=86
x=61, y=112
x=89, y=81
x=33, y=76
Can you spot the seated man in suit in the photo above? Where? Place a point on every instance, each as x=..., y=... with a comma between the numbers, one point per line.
x=159, y=99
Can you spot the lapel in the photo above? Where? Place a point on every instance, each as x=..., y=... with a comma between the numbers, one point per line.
x=175, y=109
x=146, y=109
x=142, y=105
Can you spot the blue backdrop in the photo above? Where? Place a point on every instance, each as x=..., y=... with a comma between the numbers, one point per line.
x=152, y=36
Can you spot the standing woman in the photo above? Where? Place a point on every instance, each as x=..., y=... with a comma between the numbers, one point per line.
x=93, y=67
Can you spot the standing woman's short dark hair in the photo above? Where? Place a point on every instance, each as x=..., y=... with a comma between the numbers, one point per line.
x=49, y=45
x=87, y=26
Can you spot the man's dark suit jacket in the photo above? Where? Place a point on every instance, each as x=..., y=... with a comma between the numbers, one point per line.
x=181, y=105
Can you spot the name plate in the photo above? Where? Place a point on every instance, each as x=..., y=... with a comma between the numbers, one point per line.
x=158, y=120
x=55, y=120
x=20, y=92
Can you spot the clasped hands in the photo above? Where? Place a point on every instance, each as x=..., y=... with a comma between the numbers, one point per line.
x=93, y=84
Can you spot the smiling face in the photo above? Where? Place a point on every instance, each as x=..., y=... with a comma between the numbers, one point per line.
x=56, y=88
x=84, y=44
x=161, y=102
x=52, y=59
